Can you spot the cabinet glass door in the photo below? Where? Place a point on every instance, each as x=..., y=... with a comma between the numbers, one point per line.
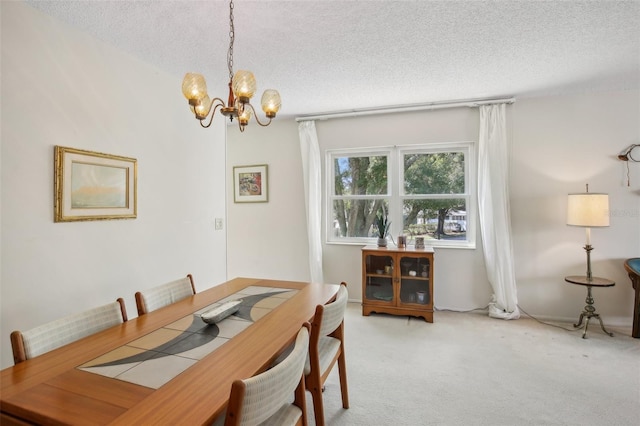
x=414, y=280
x=379, y=279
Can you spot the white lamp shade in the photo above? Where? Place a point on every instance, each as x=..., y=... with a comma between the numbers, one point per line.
x=588, y=209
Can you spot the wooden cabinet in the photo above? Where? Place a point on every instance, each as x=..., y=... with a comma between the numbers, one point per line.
x=397, y=281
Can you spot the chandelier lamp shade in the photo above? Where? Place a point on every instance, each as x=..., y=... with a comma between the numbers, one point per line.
x=242, y=87
x=588, y=210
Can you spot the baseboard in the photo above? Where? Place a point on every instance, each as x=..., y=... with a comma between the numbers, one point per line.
x=618, y=322
x=624, y=323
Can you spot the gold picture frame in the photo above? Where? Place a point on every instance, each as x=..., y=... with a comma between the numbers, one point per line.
x=92, y=185
x=250, y=184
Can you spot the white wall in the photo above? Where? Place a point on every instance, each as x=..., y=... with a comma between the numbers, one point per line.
x=268, y=240
x=278, y=229
x=61, y=87
x=459, y=275
x=559, y=143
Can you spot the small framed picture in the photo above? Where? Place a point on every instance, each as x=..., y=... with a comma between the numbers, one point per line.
x=93, y=186
x=250, y=184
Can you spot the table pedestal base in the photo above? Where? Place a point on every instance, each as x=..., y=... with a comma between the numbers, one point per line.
x=589, y=312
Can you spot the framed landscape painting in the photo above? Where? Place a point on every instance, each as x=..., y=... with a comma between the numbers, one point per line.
x=93, y=186
x=250, y=184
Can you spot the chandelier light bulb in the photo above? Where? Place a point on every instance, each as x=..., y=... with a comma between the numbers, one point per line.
x=201, y=110
x=244, y=85
x=194, y=87
x=271, y=102
x=244, y=117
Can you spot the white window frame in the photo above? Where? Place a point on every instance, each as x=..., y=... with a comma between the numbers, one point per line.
x=468, y=149
x=330, y=185
x=396, y=196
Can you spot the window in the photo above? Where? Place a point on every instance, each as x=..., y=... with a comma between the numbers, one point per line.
x=359, y=188
x=425, y=190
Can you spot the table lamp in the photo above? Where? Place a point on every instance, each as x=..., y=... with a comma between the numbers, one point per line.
x=589, y=210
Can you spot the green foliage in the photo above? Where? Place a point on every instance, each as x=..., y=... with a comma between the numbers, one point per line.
x=435, y=173
x=360, y=175
x=383, y=224
x=432, y=182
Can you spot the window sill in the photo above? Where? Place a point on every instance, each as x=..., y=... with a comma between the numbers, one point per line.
x=463, y=246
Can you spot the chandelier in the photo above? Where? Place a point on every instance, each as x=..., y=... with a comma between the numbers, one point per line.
x=242, y=87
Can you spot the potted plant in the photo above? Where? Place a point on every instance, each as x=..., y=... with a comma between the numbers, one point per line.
x=383, y=225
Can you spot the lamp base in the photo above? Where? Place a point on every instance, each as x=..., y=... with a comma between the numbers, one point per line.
x=588, y=313
x=588, y=249
x=589, y=310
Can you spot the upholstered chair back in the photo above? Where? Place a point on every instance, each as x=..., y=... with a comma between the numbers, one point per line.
x=265, y=399
x=164, y=295
x=50, y=336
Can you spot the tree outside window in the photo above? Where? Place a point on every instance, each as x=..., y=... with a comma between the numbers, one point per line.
x=425, y=191
x=432, y=186
x=360, y=188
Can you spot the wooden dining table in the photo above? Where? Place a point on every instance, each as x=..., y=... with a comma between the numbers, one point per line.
x=51, y=389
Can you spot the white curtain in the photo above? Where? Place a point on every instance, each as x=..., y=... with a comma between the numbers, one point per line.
x=310, y=152
x=493, y=206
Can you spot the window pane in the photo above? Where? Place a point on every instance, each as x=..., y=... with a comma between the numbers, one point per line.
x=356, y=218
x=442, y=219
x=437, y=173
x=360, y=175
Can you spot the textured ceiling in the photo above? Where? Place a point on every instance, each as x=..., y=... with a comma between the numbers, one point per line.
x=342, y=55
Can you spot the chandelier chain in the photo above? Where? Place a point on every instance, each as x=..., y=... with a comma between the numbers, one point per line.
x=231, y=39
x=242, y=87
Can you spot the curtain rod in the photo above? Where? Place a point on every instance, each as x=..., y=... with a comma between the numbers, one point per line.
x=471, y=103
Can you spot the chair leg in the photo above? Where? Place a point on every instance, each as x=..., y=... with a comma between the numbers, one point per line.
x=315, y=387
x=318, y=407
x=300, y=401
x=342, y=370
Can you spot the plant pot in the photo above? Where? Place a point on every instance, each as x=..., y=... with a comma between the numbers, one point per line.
x=382, y=242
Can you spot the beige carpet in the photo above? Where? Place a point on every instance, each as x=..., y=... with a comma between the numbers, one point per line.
x=469, y=369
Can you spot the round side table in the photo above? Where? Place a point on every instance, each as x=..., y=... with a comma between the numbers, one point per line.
x=589, y=309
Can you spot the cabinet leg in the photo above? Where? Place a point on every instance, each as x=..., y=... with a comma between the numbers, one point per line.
x=428, y=317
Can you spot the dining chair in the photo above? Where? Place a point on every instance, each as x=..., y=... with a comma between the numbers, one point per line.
x=158, y=297
x=61, y=332
x=265, y=398
x=326, y=346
